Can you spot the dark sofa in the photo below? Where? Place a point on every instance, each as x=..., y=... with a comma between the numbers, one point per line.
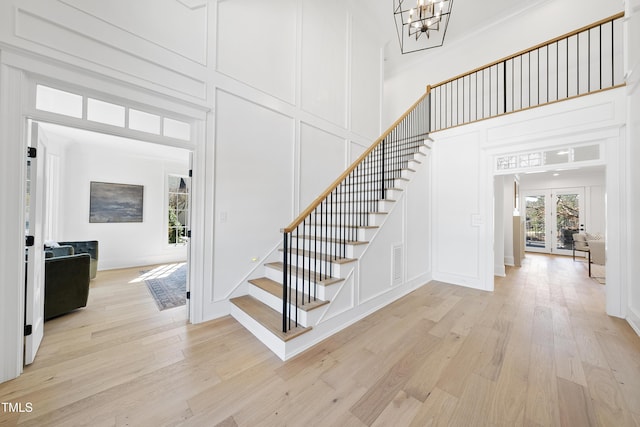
x=86, y=247
x=66, y=283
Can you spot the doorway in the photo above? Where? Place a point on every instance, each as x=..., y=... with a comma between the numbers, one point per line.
x=73, y=161
x=552, y=216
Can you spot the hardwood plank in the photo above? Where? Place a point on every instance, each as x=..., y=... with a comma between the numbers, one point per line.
x=371, y=405
x=437, y=410
x=608, y=401
x=400, y=411
x=510, y=400
x=424, y=381
x=625, y=366
x=474, y=403
x=542, y=391
x=540, y=350
x=575, y=405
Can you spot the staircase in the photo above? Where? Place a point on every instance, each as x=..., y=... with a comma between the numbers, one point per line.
x=285, y=308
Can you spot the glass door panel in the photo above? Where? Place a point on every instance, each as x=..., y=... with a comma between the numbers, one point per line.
x=567, y=218
x=535, y=225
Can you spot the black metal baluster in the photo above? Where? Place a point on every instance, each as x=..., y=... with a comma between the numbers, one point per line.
x=297, y=271
x=504, y=87
x=284, y=283
x=613, y=75
x=589, y=60
x=557, y=70
x=600, y=52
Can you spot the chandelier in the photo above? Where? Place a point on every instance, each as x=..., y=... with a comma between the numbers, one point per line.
x=421, y=24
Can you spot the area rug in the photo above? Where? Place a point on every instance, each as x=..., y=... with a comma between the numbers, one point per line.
x=168, y=285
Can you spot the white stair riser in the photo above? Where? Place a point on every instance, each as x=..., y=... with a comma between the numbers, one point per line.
x=305, y=318
x=337, y=270
x=374, y=219
x=363, y=234
x=356, y=196
x=352, y=251
x=325, y=293
x=274, y=343
x=350, y=206
x=372, y=184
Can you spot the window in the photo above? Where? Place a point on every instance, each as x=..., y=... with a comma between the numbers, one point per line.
x=178, y=209
x=58, y=101
x=551, y=157
x=105, y=112
x=177, y=129
x=143, y=121
x=97, y=110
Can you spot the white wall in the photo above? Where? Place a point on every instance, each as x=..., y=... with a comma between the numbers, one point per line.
x=538, y=23
x=508, y=198
x=463, y=205
x=291, y=110
x=633, y=159
x=121, y=244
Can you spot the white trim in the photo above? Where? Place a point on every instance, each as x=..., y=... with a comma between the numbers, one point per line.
x=12, y=167
x=18, y=102
x=633, y=319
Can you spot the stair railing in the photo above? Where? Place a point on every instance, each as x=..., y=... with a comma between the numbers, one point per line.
x=583, y=61
x=321, y=233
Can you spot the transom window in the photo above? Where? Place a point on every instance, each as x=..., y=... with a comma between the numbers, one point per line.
x=554, y=157
x=100, y=111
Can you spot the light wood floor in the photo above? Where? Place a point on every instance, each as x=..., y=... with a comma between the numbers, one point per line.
x=538, y=351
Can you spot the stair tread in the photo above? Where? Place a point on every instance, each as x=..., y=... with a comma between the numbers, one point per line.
x=303, y=272
x=268, y=317
x=321, y=256
x=275, y=288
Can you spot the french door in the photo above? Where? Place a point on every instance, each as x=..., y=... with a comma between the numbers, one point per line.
x=34, y=250
x=552, y=217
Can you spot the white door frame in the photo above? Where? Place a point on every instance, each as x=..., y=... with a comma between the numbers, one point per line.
x=551, y=217
x=34, y=292
x=18, y=75
x=614, y=141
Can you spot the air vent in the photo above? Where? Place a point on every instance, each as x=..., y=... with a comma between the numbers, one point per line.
x=396, y=265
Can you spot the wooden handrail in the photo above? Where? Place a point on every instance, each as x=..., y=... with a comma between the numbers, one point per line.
x=531, y=49
x=351, y=168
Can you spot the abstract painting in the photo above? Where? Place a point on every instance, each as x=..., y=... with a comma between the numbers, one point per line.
x=111, y=202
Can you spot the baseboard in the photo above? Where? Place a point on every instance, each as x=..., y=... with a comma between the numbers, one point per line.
x=510, y=261
x=633, y=319
x=466, y=281
x=499, y=270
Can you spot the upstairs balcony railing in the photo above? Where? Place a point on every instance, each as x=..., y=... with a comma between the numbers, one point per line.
x=318, y=238
x=583, y=61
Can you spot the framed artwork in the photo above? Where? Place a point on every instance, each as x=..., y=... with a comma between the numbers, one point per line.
x=110, y=202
